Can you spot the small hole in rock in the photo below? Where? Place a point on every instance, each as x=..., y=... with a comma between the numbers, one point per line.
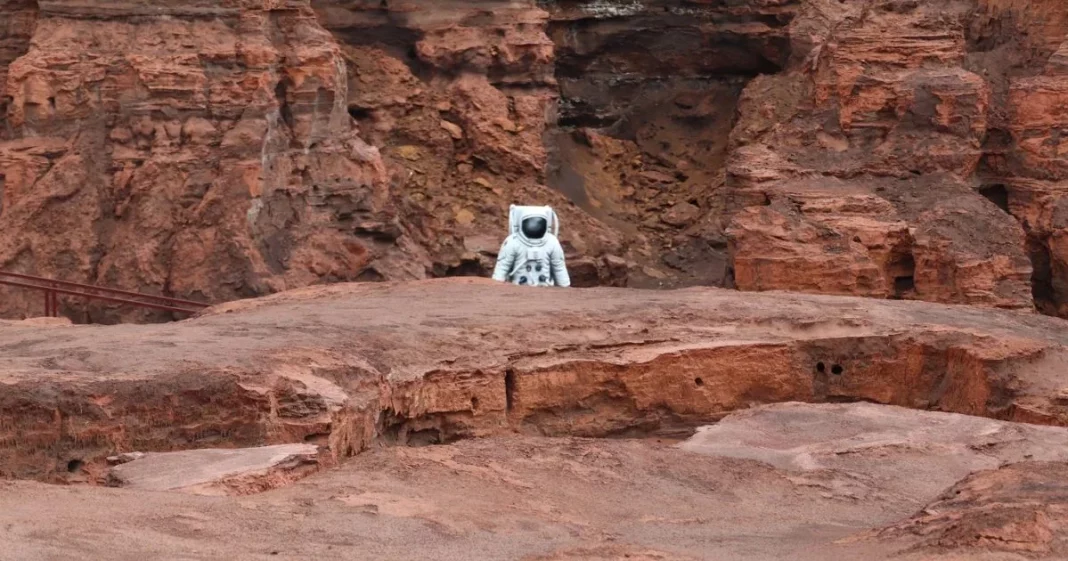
x=74, y=466
x=836, y=370
x=474, y=403
x=820, y=367
x=359, y=113
x=699, y=382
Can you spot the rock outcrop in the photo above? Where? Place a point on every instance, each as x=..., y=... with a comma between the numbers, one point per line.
x=216, y=471
x=1019, y=510
x=885, y=148
x=345, y=366
x=901, y=453
x=886, y=160
x=189, y=149
x=791, y=481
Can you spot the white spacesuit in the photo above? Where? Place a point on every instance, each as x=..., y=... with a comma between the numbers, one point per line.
x=532, y=255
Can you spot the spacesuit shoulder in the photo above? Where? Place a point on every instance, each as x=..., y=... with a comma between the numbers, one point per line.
x=512, y=243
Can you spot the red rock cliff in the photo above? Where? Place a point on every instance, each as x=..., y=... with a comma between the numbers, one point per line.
x=216, y=150
x=905, y=152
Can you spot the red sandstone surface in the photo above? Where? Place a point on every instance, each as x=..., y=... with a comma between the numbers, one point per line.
x=894, y=150
x=884, y=148
x=457, y=419
x=434, y=361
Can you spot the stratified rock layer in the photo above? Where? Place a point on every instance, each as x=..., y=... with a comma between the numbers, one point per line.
x=430, y=362
x=864, y=155
x=886, y=148
x=190, y=149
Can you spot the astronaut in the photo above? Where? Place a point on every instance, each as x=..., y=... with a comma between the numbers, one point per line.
x=531, y=254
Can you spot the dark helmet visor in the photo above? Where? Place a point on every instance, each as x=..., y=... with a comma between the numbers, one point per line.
x=534, y=228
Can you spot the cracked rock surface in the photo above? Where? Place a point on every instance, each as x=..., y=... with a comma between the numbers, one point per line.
x=349, y=365
x=457, y=419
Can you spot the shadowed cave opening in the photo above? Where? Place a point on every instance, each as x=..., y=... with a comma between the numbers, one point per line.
x=904, y=285
x=996, y=194
x=666, y=84
x=1042, y=289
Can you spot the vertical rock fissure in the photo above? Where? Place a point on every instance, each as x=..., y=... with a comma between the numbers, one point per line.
x=509, y=390
x=1042, y=276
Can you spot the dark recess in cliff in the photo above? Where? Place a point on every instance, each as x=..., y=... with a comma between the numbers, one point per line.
x=648, y=98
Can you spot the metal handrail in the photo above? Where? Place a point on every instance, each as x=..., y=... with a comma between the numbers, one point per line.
x=53, y=288
x=164, y=299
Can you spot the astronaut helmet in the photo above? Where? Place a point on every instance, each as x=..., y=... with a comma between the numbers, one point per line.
x=532, y=223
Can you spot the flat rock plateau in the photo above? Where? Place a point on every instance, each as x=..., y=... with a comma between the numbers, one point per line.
x=466, y=419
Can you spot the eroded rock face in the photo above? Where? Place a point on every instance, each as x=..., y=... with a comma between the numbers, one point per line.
x=197, y=150
x=348, y=365
x=459, y=95
x=885, y=148
x=1020, y=509
x=18, y=20
x=648, y=92
x=871, y=153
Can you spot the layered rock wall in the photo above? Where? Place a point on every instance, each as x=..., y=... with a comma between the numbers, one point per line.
x=886, y=148
x=18, y=20
x=459, y=95
x=431, y=362
x=190, y=148
x=878, y=163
